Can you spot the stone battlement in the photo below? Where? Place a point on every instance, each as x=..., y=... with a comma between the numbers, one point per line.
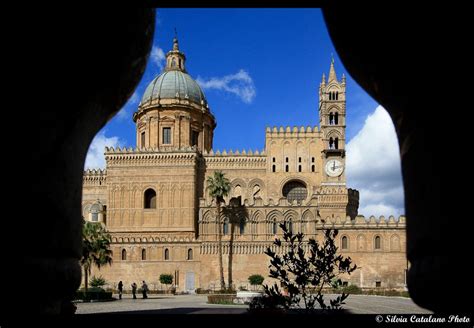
x=292, y=131
x=232, y=153
x=131, y=150
x=94, y=177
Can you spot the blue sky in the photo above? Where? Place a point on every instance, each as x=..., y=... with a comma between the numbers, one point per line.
x=259, y=68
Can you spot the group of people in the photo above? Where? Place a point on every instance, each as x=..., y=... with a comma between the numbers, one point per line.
x=134, y=289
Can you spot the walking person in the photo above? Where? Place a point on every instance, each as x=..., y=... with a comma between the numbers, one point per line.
x=134, y=290
x=120, y=289
x=144, y=289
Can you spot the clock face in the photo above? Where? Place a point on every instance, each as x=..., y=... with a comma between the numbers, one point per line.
x=334, y=168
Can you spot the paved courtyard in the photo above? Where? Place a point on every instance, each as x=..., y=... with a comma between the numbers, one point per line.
x=197, y=304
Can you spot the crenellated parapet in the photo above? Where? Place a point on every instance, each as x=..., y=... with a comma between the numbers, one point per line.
x=150, y=156
x=292, y=132
x=235, y=160
x=94, y=177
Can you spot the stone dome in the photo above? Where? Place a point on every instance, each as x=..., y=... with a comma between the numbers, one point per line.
x=171, y=85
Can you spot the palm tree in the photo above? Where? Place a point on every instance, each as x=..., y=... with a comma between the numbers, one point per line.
x=219, y=187
x=95, y=248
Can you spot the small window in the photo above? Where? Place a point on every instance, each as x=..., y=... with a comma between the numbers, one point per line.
x=150, y=198
x=194, y=138
x=286, y=159
x=274, y=227
x=124, y=255
x=312, y=168
x=143, y=139
x=286, y=168
x=290, y=226
x=273, y=168
x=378, y=284
x=190, y=254
x=273, y=159
x=225, y=227
x=377, y=242
x=299, y=159
x=95, y=217
x=299, y=168
x=143, y=254
x=344, y=242
x=167, y=136
x=312, y=159
x=167, y=254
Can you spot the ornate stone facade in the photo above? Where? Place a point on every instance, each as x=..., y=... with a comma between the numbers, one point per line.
x=154, y=202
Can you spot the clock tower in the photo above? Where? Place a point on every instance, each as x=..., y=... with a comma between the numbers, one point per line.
x=333, y=194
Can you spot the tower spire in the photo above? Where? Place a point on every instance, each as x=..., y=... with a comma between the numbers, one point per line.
x=332, y=71
x=175, y=41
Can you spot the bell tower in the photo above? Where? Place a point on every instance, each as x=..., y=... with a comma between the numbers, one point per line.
x=332, y=120
x=333, y=197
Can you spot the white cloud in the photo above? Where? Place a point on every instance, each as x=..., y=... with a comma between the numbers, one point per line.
x=240, y=84
x=124, y=113
x=157, y=56
x=373, y=167
x=95, y=156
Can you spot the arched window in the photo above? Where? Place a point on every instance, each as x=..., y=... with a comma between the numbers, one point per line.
x=274, y=227
x=95, y=209
x=242, y=226
x=330, y=95
x=344, y=243
x=142, y=136
x=190, y=254
x=143, y=254
x=290, y=226
x=331, y=143
x=331, y=119
x=167, y=254
x=336, y=143
x=124, y=255
x=336, y=118
x=377, y=242
x=287, y=168
x=225, y=227
x=337, y=96
x=173, y=62
x=299, y=168
x=273, y=168
x=312, y=168
x=150, y=198
x=295, y=190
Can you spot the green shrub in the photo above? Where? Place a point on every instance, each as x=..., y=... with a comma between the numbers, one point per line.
x=352, y=289
x=97, y=281
x=203, y=291
x=166, y=279
x=256, y=279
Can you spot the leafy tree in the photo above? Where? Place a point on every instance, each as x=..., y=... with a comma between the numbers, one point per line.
x=95, y=248
x=166, y=279
x=302, y=276
x=97, y=281
x=256, y=279
x=218, y=187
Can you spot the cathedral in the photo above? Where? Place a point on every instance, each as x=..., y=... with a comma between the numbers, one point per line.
x=154, y=202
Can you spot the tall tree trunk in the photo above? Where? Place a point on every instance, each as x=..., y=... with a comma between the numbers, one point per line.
x=86, y=277
x=219, y=246
x=231, y=243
